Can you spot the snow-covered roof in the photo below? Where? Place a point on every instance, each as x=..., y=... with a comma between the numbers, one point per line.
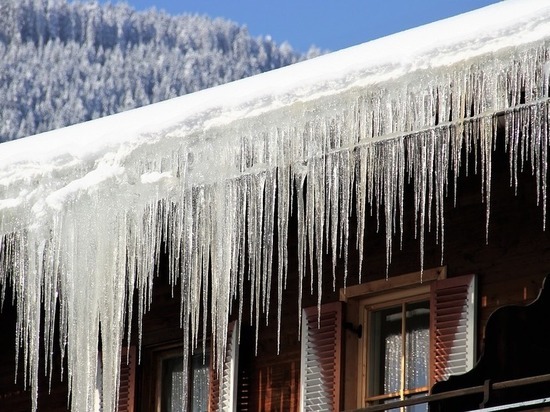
x=85, y=209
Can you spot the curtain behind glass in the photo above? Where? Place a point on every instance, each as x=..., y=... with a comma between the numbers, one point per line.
x=388, y=331
x=417, y=343
x=200, y=381
x=172, y=384
x=392, y=361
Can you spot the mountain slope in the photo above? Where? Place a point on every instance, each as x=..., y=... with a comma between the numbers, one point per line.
x=63, y=62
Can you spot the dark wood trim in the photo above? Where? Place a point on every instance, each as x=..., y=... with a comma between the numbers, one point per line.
x=376, y=287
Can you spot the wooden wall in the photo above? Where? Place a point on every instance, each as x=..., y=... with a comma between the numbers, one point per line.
x=13, y=396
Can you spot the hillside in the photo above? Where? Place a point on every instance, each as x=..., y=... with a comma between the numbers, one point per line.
x=64, y=62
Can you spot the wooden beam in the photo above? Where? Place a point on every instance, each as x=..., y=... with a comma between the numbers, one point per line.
x=392, y=283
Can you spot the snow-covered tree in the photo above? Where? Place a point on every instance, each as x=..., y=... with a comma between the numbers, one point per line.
x=66, y=62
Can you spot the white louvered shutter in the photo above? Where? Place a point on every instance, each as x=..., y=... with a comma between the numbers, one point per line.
x=223, y=387
x=321, y=355
x=126, y=390
x=453, y=326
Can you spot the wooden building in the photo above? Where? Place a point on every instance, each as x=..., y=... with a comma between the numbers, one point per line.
x=330, y=236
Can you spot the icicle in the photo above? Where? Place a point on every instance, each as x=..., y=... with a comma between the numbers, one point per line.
x=299, y=181
x=284, y=199
x=361, y=190
x=206, y=201
x=268, y=238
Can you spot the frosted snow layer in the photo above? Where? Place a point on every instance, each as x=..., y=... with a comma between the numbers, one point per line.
x=86, y=210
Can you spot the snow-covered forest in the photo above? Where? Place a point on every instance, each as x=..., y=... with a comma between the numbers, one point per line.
x=66, y=62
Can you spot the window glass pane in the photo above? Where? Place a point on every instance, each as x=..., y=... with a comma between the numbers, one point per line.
x=392, y=358
x=200, y=382
x=385, y=351
x=417, y=326
x=386, y=343
x=172, y=384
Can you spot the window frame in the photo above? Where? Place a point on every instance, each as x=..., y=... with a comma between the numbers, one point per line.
x=377, y=293
x=376, y=303
x=156, y=356
x=178, y=353
x=159, y=356
x=150, y=393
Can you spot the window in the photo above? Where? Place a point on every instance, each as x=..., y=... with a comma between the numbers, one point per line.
x=165, y=377
x=413, y=333
x=171, y=382
x=397, y=350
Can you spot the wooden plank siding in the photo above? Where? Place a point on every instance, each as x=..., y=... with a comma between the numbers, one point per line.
x=13, y=396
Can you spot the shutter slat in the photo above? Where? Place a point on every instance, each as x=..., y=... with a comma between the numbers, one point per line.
x=452, y=326
x=222, y=395
x=321, y=351
x=126, y=392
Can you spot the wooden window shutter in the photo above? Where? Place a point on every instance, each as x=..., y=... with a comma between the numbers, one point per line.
x=126, y=392
x=453, y=326
x=321, y=357
x=223, y=387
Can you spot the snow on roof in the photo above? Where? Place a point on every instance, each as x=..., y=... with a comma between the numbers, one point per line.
x=84, y=209
x=262, y=98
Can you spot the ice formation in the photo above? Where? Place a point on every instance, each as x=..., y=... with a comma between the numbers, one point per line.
x=85, y=211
